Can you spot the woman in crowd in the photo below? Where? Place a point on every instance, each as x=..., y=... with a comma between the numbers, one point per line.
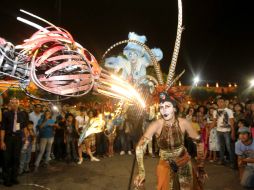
x=190, y=113
x=213, y=139
x=46, y=127
x=82, y=120
x=28, y=141
x=238, y=112
x=90, y=141
x=110, y=132
x=203, y=128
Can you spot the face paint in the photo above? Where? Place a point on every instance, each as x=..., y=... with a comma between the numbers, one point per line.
x=167, y=110
x=132, y=56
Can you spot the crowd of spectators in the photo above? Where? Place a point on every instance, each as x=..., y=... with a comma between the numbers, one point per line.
x=32, y=137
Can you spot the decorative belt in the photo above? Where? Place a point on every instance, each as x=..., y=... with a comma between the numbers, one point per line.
x=172, y=154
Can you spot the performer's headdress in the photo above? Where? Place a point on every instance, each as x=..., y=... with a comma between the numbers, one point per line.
x=173, y=95
x=170, y=93
x=165, y=97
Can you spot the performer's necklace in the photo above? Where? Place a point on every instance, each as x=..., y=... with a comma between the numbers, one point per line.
x=169, y=123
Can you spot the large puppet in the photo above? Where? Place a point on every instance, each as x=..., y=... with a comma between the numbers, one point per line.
x=51, y=65
x=134, y=61
x=131, y=66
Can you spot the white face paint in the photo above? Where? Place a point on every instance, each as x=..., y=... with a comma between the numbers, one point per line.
x=167, y=110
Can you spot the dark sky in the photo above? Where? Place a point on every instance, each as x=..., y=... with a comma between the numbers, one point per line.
x=217, y=43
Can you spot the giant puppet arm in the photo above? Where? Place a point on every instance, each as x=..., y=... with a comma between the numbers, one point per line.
x=118, y=63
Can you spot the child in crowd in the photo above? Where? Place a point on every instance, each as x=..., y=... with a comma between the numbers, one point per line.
x=28, y=141
x=70, y=137
x=213, y=139
x=82, y=120
x=203, y=129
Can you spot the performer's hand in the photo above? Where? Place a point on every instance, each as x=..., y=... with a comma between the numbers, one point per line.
x=139, y=180
x=183, y=160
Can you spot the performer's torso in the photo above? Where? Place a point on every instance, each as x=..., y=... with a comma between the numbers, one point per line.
x=171, y=141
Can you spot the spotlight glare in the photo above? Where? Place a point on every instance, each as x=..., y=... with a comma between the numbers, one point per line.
x=55, y=108
x=252, y=82
x=196, y=80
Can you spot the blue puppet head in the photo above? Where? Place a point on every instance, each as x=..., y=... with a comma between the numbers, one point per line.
x=133, y=50
x=132, y=47
x=136, y=59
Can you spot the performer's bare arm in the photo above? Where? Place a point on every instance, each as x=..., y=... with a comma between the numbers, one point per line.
x=186, y=125
x=152, y=129
x=2, y=133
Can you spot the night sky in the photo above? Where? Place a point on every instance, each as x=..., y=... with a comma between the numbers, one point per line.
x=217, y=42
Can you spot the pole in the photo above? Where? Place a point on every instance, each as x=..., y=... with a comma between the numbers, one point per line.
x=132, y=172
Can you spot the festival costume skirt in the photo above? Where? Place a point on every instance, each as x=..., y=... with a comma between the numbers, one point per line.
x=168, y=180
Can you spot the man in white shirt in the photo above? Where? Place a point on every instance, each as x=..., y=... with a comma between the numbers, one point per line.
x=35, y=116
x=224, y=123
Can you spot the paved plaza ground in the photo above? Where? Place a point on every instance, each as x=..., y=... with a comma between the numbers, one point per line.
x=112, y=174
